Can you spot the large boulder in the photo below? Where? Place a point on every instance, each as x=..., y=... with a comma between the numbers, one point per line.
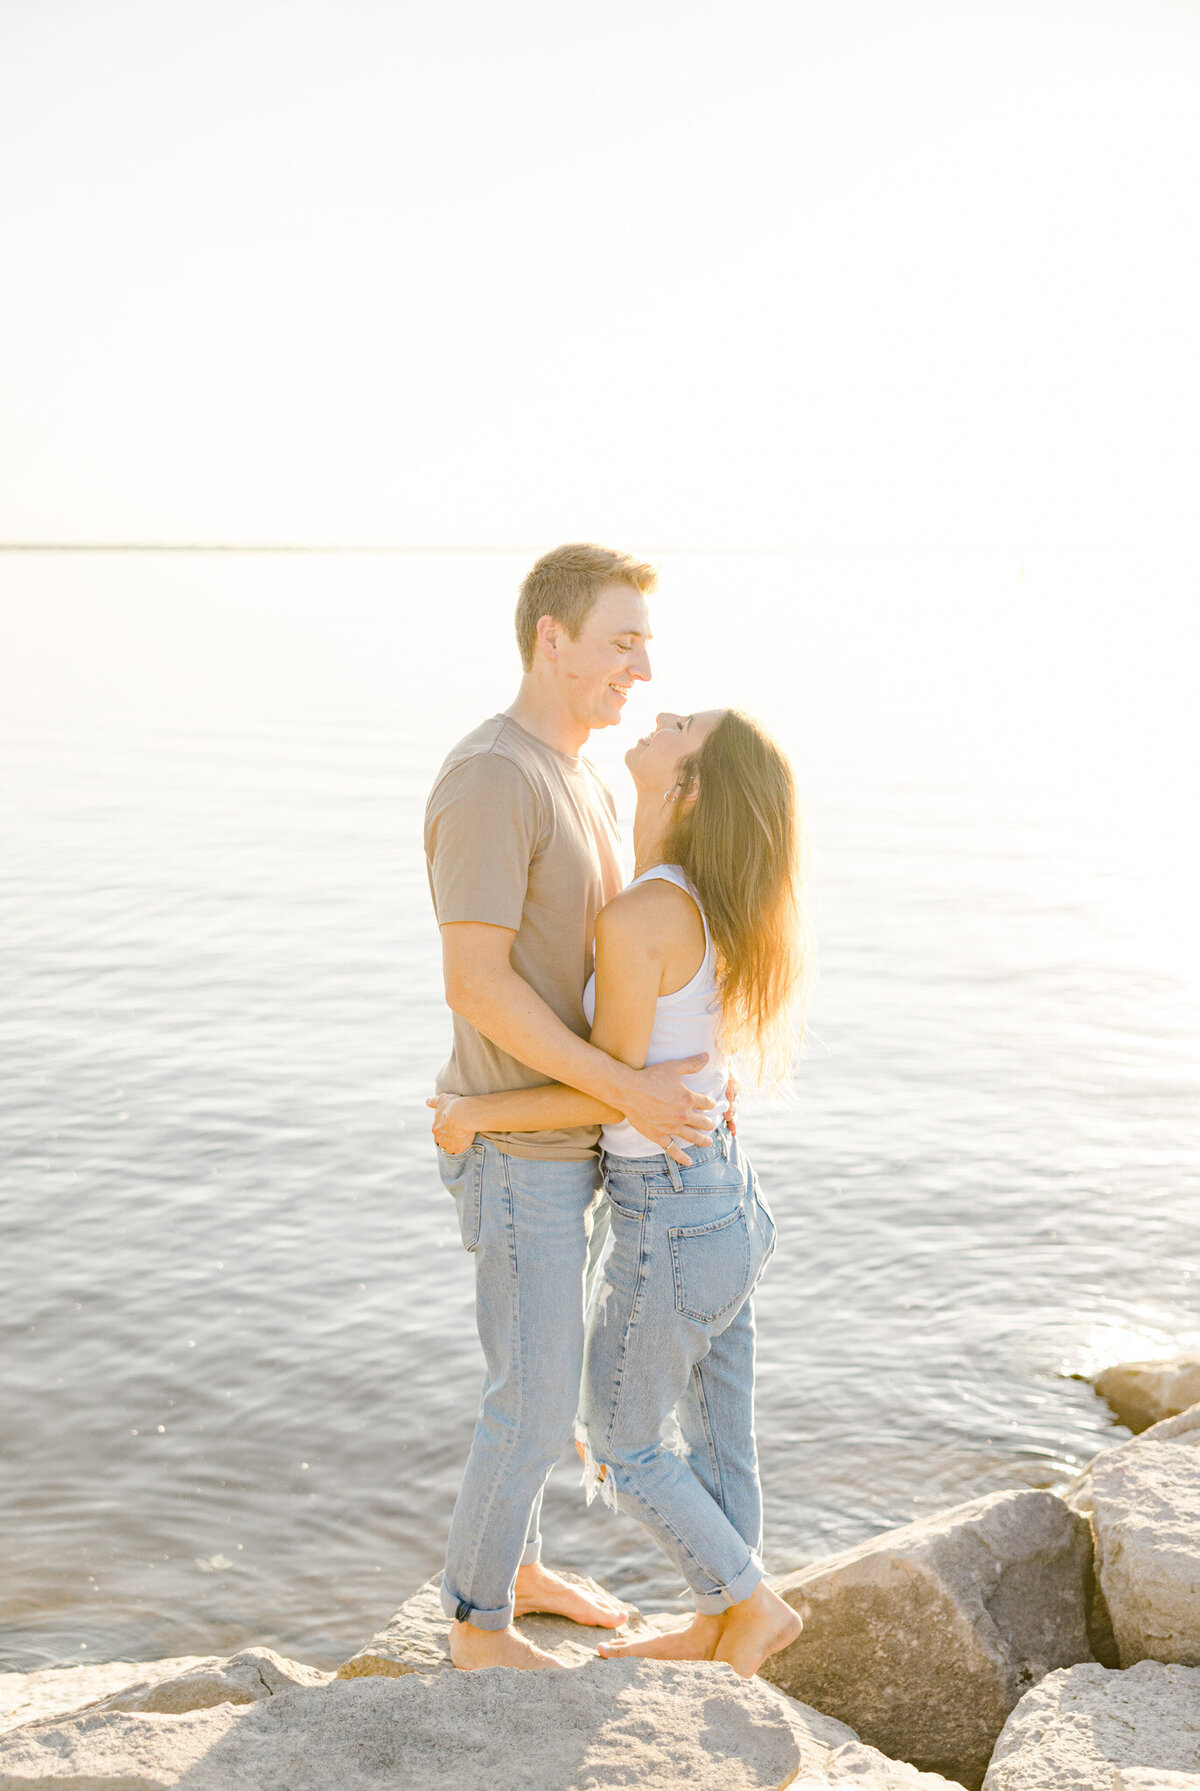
x=1146, y=1519
x=1183, y=1430
x=1079, y=1727
x=924, y=1638
x=417, y=1638
x=653, y=1724
x=49, y=1691
x=857, y=1767
x=1143, y=1393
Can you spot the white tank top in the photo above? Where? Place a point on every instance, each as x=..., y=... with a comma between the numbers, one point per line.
x=684, y=1023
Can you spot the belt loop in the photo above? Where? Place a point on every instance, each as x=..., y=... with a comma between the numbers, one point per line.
x=673, y=1172
x=724, y=1132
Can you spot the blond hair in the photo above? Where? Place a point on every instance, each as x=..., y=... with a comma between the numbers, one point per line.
x=565, y=584
x=742, y=844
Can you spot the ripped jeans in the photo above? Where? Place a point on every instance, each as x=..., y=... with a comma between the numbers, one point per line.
x=671, y=1334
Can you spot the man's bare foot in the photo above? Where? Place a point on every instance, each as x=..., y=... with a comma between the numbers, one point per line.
x=760, y=1625
x=471, y=1649
x=538, y=1589
x=697, y=1640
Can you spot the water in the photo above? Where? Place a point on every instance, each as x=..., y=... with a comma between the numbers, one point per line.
x=239, y=1364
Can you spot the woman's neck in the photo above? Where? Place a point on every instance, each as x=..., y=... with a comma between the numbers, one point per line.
x=650, y=820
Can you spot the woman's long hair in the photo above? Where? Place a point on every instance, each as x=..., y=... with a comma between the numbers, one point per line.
x=741, y=842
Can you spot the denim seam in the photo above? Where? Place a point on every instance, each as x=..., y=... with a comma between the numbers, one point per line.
x=623, y=1353
x=518, y=1357
x=702, y=1402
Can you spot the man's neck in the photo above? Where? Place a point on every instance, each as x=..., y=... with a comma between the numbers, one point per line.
x=537, y=710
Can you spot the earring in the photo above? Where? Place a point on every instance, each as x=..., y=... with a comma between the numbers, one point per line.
x=669, y=796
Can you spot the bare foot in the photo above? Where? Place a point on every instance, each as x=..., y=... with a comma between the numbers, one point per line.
x=471, y=1649
x=538, y=1589
x=697, y=1640
x=760, y=1625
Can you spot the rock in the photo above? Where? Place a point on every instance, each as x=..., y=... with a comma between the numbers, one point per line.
x=1148, y=1778
x=417, y=1638
x=653, y=1724
x=859, y=1768
x=1079, y=1726
x=1146, y=1519
x=1183, y=1429
x=1142, y=1393
x=28, y=1697
x=243, y=1678
x=924, y=1638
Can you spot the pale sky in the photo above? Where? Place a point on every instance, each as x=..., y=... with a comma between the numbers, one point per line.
x=839, y=275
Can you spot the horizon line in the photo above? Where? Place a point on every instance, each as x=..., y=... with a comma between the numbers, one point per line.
x=361, y=547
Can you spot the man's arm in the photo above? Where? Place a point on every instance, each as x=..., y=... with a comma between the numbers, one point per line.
x=484, y=989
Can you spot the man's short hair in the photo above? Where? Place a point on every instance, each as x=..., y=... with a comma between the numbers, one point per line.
x=565, y=584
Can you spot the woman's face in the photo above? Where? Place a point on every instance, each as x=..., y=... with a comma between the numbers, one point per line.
x=656, y=758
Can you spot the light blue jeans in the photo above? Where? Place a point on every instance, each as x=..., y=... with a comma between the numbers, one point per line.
x=529, y=1223
x=668, y=1385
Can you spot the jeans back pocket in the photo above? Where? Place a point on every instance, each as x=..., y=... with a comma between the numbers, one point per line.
x=711, y=1265
x=462, y=1176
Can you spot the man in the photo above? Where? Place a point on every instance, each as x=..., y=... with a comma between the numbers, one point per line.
x=522, y=843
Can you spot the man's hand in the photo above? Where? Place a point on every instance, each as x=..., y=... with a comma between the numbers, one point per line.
x=659, y=1106
x=732, y=1090
x=453, y=1128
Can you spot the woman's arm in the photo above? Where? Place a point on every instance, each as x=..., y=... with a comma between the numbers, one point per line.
x=629, y=968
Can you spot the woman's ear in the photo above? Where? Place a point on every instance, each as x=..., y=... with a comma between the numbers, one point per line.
x=688, y=797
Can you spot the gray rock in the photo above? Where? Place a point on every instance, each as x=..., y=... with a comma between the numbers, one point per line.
x=244, y=1678
x=417, y=1638
x=1079, y=1727
x=856, y=1767
x=27, y=1697
x=1184, y=1429
x=1146, y=1520
x=653, y=1724
x=924, y=1638
x=1142, y=1393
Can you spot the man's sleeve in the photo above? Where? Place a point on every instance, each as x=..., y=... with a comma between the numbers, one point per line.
x=481, y=831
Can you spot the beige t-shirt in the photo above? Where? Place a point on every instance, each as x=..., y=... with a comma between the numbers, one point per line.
x=520, y=835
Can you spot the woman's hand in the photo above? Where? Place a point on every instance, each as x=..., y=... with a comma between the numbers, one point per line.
x=453, y=1127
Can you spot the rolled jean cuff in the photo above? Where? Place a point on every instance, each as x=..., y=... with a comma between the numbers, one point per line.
x=531, y=1552
x=462, y=1612
x=711, y=1604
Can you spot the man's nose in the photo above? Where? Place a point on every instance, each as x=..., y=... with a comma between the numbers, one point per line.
x=639, y=665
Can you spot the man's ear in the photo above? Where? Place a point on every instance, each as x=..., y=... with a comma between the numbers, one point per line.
x=547, y=636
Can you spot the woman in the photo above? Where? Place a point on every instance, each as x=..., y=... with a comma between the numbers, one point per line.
x=703, y=951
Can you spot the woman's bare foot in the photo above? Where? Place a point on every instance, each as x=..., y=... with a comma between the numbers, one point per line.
x=697, y=1640
x=760, y=1625
x=472, y=1649
x=538, y=1589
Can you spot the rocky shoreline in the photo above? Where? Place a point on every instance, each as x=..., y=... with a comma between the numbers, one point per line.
x=1025, y=1641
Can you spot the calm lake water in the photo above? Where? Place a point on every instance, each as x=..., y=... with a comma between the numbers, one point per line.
x=239, y=1367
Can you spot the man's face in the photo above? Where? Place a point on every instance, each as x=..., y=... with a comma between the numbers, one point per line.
x=611, y=654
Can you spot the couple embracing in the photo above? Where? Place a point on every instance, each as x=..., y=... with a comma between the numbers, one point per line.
x=583, y=1121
